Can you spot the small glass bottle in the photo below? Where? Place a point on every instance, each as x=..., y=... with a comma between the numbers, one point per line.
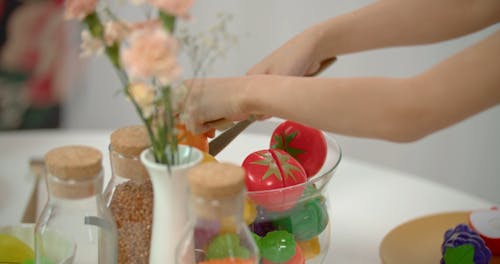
x=129, y=194
x=217, y=232
x=75, y=209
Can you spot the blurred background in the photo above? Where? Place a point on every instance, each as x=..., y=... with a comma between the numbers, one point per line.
x=49, y=86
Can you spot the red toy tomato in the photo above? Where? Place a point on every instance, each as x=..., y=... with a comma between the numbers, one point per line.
x=304, y=143
x=272, y=171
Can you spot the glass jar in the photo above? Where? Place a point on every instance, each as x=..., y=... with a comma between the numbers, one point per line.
x=278, y=214
x=129, y=194
x=75, y=209
x=216, y=231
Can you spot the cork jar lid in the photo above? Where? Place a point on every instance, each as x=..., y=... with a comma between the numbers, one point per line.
x=74, y=162
x=214, y=180
x=130, y=140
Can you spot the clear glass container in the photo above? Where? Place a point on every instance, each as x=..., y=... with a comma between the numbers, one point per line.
x=216, y=231
x=76, y=210
x=129, y=194
x=307, y=219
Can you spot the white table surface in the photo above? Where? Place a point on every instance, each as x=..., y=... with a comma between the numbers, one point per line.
x=367, y=200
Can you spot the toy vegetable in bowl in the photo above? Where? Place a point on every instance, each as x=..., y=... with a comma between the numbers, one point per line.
x=306, y=144
x=297, y=204
x=272, y=170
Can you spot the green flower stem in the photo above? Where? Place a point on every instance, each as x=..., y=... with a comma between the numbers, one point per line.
x=113, y=53
x=165, y=135
x=158, y=147
x=170, y=124
x=97, y=31
x=168, y=22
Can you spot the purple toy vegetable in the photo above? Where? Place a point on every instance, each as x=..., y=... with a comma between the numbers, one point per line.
x=463, y=245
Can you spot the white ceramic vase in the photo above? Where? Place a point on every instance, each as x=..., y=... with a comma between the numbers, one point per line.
x=170, y=191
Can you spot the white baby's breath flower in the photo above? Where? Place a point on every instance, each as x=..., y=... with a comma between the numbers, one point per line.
x=208, y=42
x=137, y=2
x=179, y=94
x=115, y=31
x=90, y=45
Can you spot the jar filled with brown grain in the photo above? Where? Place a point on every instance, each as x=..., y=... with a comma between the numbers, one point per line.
x=216, y=231
x=129, y=194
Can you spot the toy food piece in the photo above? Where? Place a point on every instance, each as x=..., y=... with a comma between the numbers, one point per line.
x=208, y=158
x=280, y=247
x=310, y=248
x=487, y=224
x=270, y=171
x=249, y=211
x=43, y=260
x=298, y=258
x=262, y=224
x=304, y=143
x=228, y=225
x=205, y=231
x=257, y=239
x=307, y=219
x=463, y=245
x=227, y=261
x=13, y=250
x=226, y=246
x=198, y=141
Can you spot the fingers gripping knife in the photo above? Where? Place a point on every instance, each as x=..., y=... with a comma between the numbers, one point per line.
x=217, y=144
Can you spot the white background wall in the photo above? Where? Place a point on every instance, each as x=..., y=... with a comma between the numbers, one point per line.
x=465, y=156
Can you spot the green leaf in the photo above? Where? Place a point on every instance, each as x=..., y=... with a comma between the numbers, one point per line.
x=272, y=168
x=168, y=21
x=278, y=142
x=463, y=254
x=283, y=142
x=290, y=137
x=94, y=25
x=288, y=168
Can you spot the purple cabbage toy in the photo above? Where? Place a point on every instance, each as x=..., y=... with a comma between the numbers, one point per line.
x=463, y=245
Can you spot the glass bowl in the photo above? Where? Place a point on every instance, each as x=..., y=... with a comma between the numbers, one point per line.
x=307, y=218
x=60, y=251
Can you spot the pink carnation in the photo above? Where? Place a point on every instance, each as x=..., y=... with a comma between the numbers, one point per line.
x=79, y=9
x=146, y=24
x=152, y=53
x=173, y=7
